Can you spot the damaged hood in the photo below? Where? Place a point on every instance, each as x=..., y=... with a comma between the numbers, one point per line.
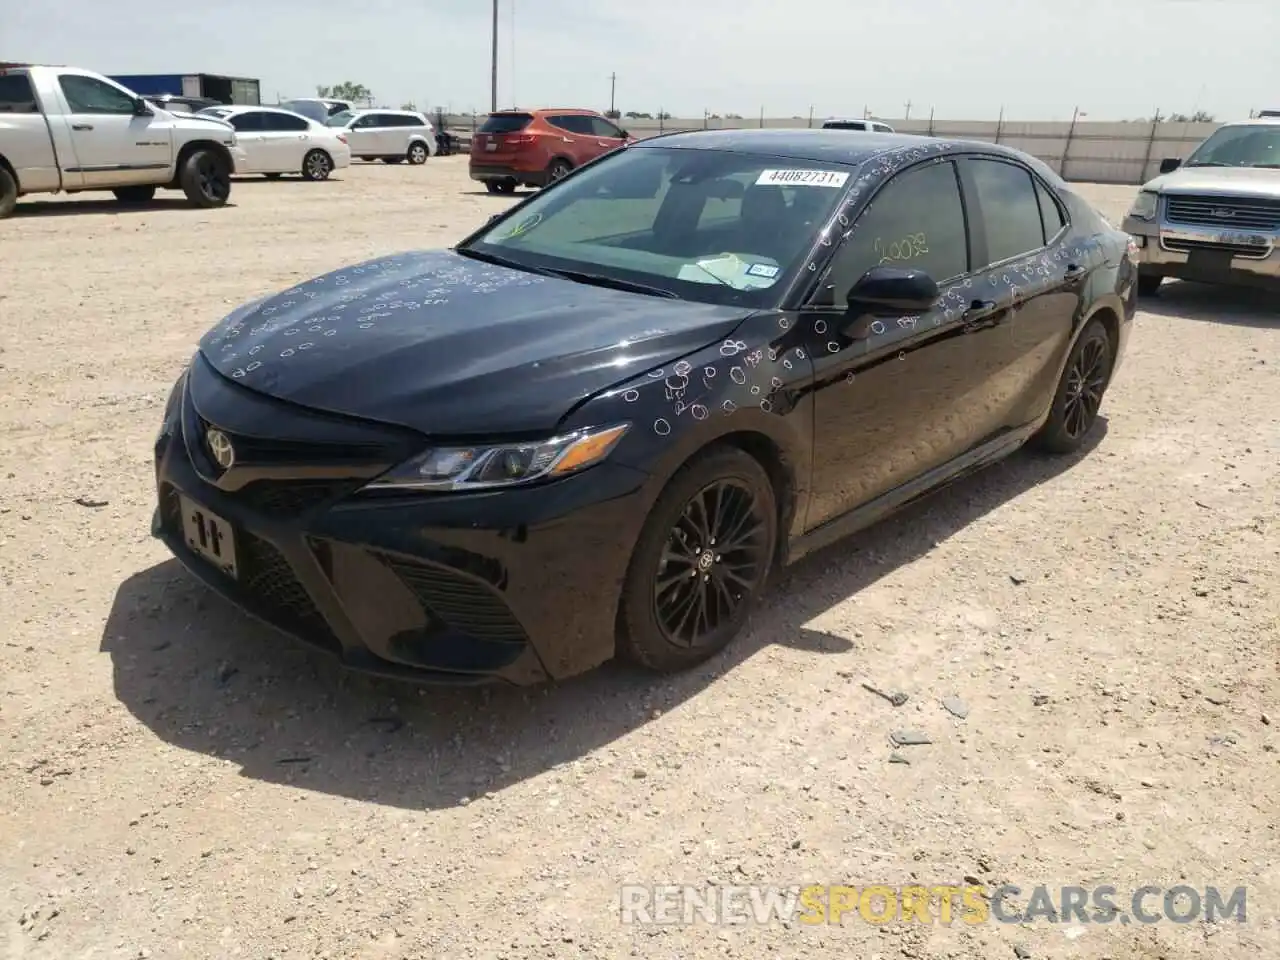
x=443, y=344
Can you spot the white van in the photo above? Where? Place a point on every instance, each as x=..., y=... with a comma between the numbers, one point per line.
x=387, y=135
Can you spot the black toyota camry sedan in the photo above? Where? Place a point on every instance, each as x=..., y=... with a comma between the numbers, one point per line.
x=597, y=425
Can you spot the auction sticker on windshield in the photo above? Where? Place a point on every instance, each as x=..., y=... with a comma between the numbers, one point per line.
x=802, y=178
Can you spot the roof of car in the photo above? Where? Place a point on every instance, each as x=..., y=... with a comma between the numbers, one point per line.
x=578, y=111
x=840, y=146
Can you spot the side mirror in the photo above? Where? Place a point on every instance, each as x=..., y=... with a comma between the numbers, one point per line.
x=1169, y=164
x=888, y=291
x=623, y=134
x=141, y=109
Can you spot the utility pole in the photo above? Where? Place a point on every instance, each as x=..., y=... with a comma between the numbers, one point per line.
x=493, y=64
x=908, y=114
x=613, y=86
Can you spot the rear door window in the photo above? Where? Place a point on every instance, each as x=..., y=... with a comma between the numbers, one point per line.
x=506, y=122
x=281, y=122
x=1050, y=212
x=574, y=123
x=16, y=95
x=1006, y=195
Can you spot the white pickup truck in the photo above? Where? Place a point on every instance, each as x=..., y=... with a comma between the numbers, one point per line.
x=69, y=130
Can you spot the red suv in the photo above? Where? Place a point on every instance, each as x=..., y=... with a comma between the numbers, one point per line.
x=536, y=147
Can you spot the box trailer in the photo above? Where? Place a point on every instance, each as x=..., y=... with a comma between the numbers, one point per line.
x=241, y=91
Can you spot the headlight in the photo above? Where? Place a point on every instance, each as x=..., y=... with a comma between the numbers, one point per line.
x=502, y=465
x=1144, y=208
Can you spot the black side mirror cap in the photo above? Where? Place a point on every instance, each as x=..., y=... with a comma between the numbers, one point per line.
x=888, y=291
x=1169, y=164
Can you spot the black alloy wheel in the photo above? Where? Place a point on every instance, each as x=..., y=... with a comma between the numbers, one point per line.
x=1086, y=380
x=713, y=561
x=1080, y=391
x=702, y=558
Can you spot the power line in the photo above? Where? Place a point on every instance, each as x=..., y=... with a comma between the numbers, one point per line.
x=493, y=63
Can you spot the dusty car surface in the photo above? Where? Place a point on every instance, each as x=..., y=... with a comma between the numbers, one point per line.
x=597, y=425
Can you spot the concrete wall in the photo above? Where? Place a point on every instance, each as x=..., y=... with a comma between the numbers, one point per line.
x=1123, y=152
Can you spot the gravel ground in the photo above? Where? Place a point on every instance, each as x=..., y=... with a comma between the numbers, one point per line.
x=180, y=782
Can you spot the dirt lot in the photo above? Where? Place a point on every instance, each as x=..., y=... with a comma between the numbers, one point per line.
x=180, y=782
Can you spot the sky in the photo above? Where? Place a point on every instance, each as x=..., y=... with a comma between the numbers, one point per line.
x=1038, y=59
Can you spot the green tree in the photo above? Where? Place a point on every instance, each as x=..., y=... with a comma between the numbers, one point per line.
x=1199, y=116
x=347, y=90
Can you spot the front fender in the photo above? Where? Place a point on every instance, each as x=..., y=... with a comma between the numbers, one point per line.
x=743, y=390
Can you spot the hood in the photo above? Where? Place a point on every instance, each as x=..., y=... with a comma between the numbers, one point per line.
x=1225, y=181
x=446, y=345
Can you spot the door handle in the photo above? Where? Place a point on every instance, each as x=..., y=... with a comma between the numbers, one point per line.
x=980, y=310
x=82, y=126
x=1074, y=272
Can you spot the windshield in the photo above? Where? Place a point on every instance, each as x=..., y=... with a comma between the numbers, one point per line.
x=506, y=122
x=340, y=119
x=307, y=108
x=1240, y=146
x=704, y=225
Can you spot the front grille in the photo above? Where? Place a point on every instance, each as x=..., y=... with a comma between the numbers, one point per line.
x=1246, y=250
x=260, y=451
x=1230, y=213
x=289, y=498
x=463, y=603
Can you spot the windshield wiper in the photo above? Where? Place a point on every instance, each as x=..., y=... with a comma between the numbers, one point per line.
x=600, y=280
x=486, y=257
x=1209, y=163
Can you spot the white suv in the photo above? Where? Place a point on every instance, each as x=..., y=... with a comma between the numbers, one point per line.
x=387, y=135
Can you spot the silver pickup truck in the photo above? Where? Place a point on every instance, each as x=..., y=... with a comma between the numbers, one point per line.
x=1216, y=217
x=68, y=130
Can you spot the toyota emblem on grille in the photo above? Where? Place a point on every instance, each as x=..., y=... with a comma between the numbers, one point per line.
x=224, y=454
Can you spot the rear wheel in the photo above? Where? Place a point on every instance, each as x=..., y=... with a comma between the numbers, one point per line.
x=132, y=195
x=317, y=165
x=500, y=186
x=1079, y=396
x=206, y=178
x=8, y=193
x=701, y=561
x=417, y=153
x=558, y=170
x=1149, y=284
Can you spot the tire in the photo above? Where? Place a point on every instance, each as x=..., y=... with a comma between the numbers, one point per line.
x=647, y=636
x=205, y=178
x=1080, y=391
x=273, y=176
x=317, y=165
x=500, y=186
x=1149, y=284
x=8, y=193
x=417, y=154
x=558, y=170
x=135, y=195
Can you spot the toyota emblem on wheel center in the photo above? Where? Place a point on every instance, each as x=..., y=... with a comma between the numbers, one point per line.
x=224, y=455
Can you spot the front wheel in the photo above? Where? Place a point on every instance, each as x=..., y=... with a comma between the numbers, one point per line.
x=1079, y=396
x=317, y=165
x=417, y=154
x=206, y=178
x=703, y=557
x=134, y=195
x=8, y=193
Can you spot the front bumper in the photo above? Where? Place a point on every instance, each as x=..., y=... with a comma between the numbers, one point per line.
x=1207, y=254
x=519, y=586
x=239, y=159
